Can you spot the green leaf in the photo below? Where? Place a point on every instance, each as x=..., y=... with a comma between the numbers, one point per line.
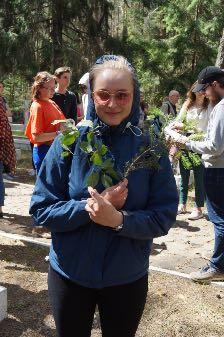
x=65, y=147
x=90, y=136
x=96, y=158
x=113, y=174
x=103, y=150
x=86, y=147
x=106, y=181
x=69, y=139
x=93, y=179
x=98, y=146
x=107, y=163
x=65, y=154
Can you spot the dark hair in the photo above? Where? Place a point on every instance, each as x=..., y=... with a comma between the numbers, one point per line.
x=191, y=98
x=62, y=70
x=221, y=82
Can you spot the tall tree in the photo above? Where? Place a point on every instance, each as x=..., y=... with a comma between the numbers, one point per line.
x=220, y=56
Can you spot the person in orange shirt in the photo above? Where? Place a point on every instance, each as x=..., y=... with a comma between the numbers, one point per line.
x=43, y=112
x=39, y=129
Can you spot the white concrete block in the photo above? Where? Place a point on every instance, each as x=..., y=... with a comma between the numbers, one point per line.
x=3, y=303
x=18, y=154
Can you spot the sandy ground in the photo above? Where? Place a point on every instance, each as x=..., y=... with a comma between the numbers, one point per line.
x=175, y=307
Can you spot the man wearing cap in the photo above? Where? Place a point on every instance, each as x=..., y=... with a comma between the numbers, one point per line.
x=211, y=81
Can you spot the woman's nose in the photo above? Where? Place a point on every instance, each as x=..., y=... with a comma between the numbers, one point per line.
x=112, y=101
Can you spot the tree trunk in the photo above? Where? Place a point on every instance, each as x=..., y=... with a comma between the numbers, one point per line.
x=194, y=58
x=57, y=28
x=220, y=56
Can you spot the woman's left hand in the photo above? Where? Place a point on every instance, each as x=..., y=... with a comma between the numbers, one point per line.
x=102, y=211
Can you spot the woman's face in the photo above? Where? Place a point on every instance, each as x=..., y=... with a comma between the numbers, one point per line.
x=200, y=94
x=113, y=95
x=47, y=90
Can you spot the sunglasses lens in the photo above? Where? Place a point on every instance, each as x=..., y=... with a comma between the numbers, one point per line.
x=122, y=97
x=102, y=97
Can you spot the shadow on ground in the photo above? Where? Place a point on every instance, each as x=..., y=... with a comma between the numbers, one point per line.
x=158, y=248
x=185, y=225
x=30, y=256
x=16, y=224
x=37, y=308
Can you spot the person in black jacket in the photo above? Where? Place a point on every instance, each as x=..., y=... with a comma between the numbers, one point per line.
x=66, y=100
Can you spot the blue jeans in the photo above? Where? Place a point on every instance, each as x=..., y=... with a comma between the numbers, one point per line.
x=2, y=186
x=214, y=188
x=39, y=152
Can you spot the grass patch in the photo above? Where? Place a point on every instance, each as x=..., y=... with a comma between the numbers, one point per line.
x=26, y=160
x=18, y=134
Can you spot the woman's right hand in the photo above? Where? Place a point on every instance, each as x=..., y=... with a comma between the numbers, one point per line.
x=116, y=194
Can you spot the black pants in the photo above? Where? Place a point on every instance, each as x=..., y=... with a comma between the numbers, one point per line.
x=120, y=307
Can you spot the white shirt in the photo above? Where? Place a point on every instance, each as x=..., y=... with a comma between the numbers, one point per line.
x=200, y=115
x=212, y=148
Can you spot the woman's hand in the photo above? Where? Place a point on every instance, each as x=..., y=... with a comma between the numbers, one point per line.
x=102, y=211
x=175, y=137
x=177, y=126
x=117, y=194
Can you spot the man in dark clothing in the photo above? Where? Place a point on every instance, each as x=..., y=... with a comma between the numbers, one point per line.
x=66, y=100
x=169, y=107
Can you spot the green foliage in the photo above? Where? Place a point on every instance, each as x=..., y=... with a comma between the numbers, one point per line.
x=169, y=42
x=102, y=167
x=99, y=157
x=190, y=159
x=15, y=91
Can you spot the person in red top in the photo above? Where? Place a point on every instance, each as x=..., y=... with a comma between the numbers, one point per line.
x=43, y=112
x=39, y=129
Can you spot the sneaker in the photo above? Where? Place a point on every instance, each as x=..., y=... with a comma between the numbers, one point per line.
x=207, y=274
x=195, y=215
x=182, y=209
x=32, y=173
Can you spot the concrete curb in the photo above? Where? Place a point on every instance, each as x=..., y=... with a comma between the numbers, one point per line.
x=24, y=238
x=17, y=183
x=151, y=268
x=3, y=303
x=178, y=274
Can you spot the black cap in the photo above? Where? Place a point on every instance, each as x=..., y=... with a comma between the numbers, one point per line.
x=207, y=76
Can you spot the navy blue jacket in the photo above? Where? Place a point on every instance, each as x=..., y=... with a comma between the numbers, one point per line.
x=83, y=251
